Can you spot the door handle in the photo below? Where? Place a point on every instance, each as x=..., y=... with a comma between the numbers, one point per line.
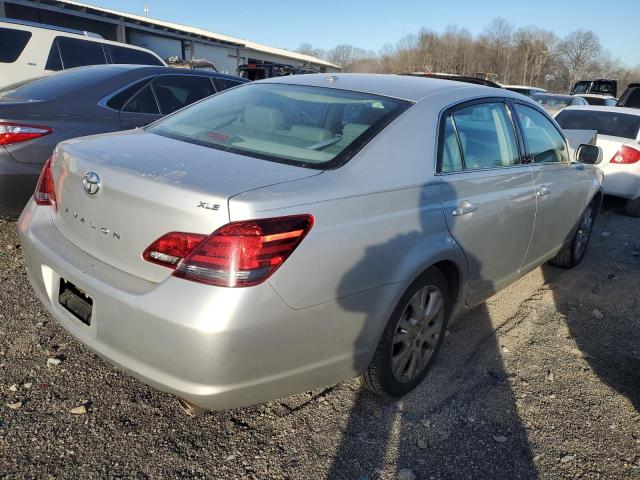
x=464, y=208
x=543, y=190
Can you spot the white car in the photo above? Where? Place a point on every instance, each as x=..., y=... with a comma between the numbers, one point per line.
x=618, y=136
x=29, y=50
x=524, y=89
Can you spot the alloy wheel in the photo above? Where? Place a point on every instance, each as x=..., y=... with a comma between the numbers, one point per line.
x=584, y=233
x=417, y=333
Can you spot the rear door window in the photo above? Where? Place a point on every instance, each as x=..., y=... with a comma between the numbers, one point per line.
x=544, y=142
x=78, y=53
x=131, y=56
x=54, y=62
x=450, y=155
x=486, y=136
x=177, y=91
x=143, y=102
x=224, y=83
x=120, y=99
x=12, y=44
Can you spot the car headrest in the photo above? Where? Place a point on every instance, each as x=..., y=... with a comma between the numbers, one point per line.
x=312, y=134
x=263, y=118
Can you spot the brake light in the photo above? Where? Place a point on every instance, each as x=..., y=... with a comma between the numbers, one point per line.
x=169, y=249
x=45, y=189
x=626, y=155
x=18, y=132
x=239, y=254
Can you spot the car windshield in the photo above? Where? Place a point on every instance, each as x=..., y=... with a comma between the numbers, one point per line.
x=554, y=101
x=606, y=123
x=313, y=127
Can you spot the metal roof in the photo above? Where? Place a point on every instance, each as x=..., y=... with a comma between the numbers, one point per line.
x=184, y=29
x=398, y=86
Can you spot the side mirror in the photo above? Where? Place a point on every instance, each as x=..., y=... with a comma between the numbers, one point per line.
x=589, y=154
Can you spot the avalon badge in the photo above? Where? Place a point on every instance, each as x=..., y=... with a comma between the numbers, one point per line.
x=91, y=183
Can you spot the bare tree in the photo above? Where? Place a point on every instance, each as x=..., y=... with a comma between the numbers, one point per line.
x=579, y=51
x=307, y=49
x=498, y=36
x=528, y=55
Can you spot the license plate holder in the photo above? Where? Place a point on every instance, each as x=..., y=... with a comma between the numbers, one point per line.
x=75, y=301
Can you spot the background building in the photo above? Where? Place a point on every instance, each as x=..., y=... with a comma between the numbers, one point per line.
x=165, y=38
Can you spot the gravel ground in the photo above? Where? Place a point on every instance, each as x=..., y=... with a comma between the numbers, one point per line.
x=541, y=381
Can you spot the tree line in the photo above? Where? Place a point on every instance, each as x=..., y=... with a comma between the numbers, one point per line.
x=527, y=55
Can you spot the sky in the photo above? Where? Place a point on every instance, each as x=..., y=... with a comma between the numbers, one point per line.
x=374, y=23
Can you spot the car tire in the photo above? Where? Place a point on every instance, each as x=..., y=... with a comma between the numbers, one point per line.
x=572, y=254
x=412, y=338
x=632, y=209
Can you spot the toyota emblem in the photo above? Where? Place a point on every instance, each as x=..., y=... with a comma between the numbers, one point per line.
x=91, y=183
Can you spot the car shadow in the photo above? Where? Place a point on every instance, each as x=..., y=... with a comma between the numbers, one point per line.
x=460, y=422
x=602, y=319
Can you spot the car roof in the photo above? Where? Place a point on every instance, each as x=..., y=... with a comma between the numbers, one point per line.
x=601, y=108
x=524, y=86
x=152, y=70
x=594, y=95
x=549, y=94
x=398, y=86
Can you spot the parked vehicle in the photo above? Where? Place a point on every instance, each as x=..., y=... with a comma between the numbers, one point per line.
x=458, y=78
x=259, y=70
x=631, y=96
x=35, y=115
x=295, y=232
x=553, y=102
x=32, y=49
x=618, y=136
x=603, y=86
x=524, y=90
x=599, y=100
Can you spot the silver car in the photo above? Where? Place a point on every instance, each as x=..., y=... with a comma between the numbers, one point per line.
x=295, y=232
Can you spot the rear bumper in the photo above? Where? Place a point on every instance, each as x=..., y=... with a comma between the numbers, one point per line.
x=216, y=347
x=622, y=180
x=17, y=183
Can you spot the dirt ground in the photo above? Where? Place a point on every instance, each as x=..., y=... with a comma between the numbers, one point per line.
x=541, y=381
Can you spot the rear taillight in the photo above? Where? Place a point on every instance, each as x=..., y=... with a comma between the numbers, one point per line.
x=19, y=132
x=169, y=249
x=239, y=254
x=626, y=155
x=45, y=189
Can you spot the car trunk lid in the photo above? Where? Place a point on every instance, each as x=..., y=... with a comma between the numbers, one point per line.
x=149, y=185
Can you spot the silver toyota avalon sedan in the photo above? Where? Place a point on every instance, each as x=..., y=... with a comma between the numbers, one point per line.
x=295, y=232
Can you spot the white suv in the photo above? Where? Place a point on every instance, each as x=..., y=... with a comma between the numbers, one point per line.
x=29, y=50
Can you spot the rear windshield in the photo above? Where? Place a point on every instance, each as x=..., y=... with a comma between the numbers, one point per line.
x=606, y=123
x=600, y=101
x=312, y=127
x=12, y=43
x=57, y=84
